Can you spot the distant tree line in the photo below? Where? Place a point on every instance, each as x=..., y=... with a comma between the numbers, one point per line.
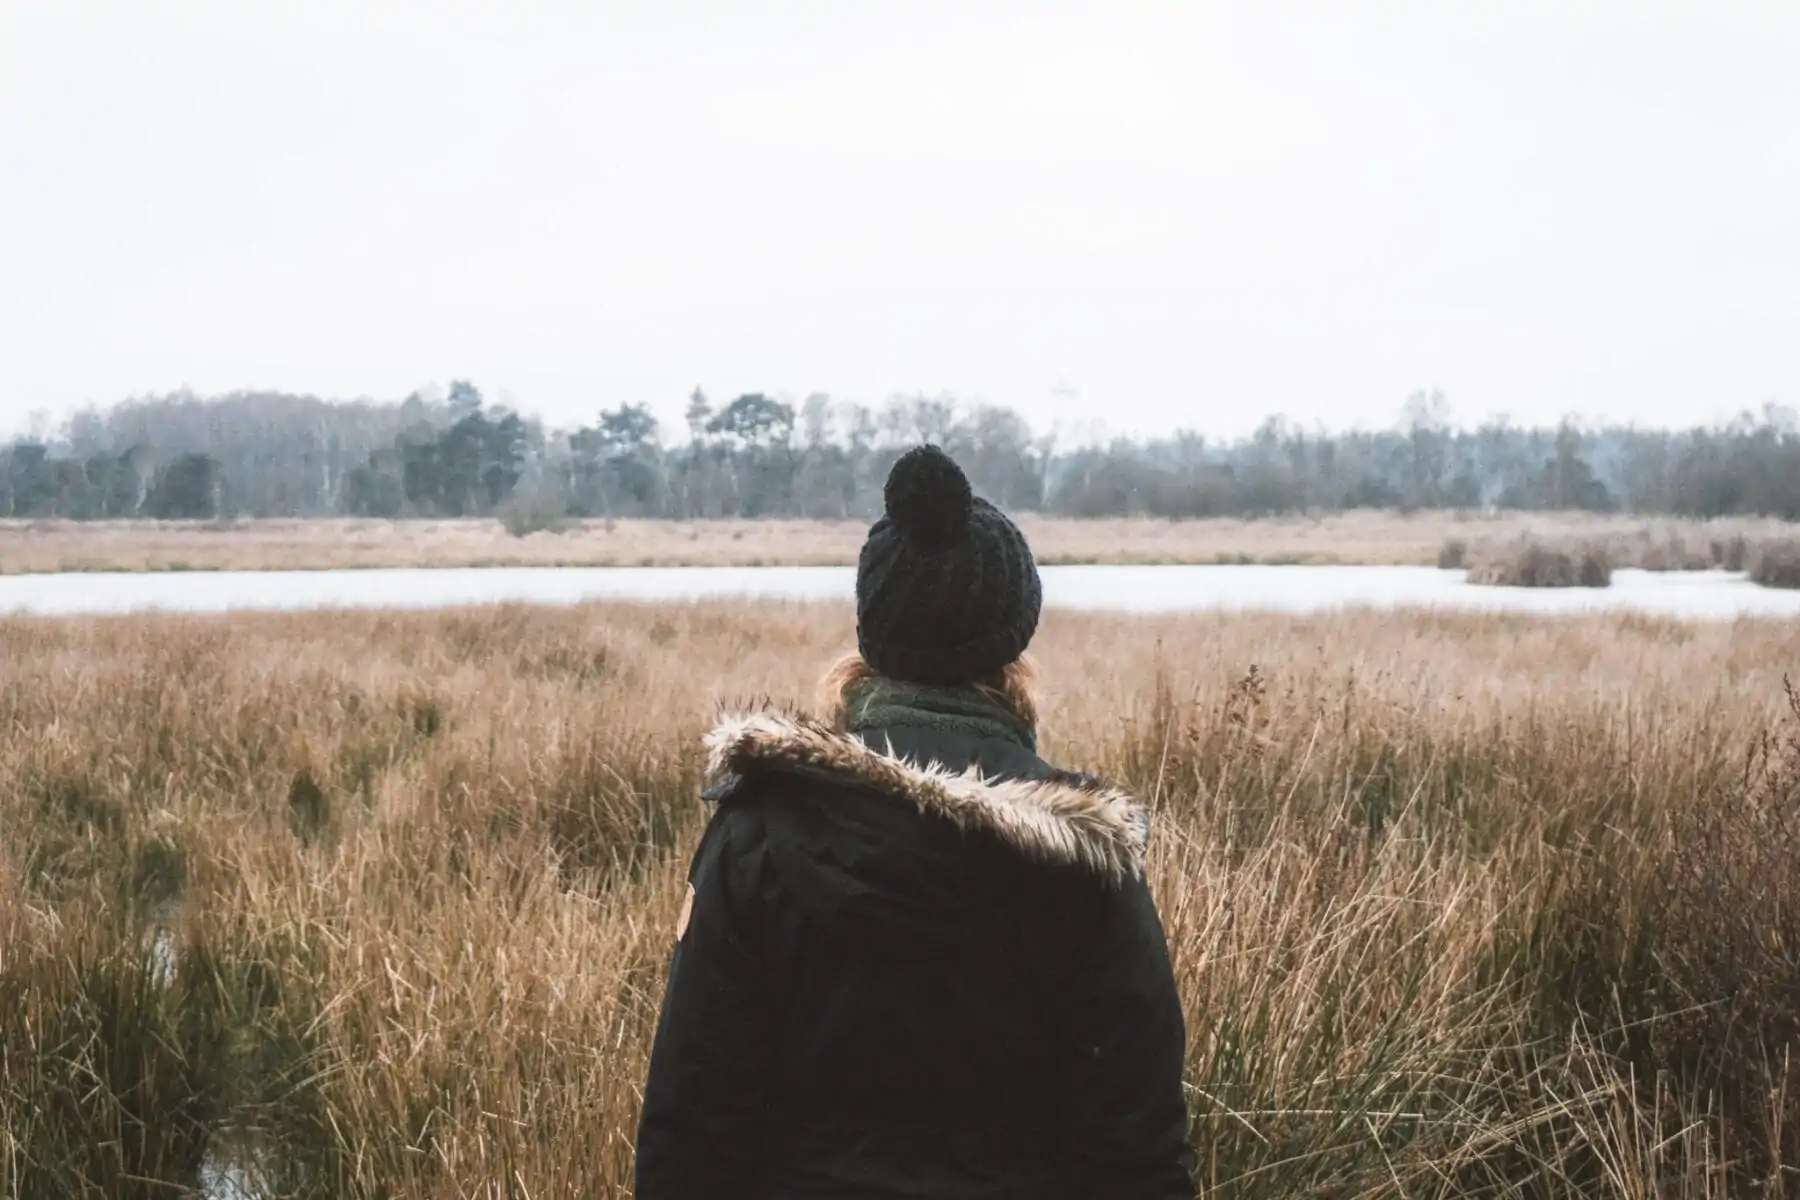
x=182, y=457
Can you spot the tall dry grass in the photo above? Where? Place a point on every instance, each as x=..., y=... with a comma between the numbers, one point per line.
x=1354, y=537
x=1460, y=906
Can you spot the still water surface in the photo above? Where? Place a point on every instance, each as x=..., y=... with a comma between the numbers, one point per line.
x=1702, y=594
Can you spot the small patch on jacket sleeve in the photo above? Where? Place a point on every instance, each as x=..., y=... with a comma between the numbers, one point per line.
x=687, y=913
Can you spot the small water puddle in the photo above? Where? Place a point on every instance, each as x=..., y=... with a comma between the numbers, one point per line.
x=223, y=1180
x=162, y=956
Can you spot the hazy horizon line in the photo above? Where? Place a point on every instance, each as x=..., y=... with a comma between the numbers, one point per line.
x=1074, y=428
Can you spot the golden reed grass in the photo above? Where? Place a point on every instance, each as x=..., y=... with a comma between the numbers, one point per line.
x=1354, y=537
x=1459, y=905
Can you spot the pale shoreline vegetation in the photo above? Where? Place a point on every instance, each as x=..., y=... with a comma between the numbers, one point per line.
x=1359, y=537
x=1536, y=562
x=1459, y=905
x=1776, y=563
x=1768, y=552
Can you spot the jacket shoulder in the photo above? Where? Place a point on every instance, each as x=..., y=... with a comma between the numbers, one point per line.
x=1049, y=815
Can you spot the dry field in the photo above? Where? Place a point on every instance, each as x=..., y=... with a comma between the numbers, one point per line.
x=1460, y=906
x=1357, y=537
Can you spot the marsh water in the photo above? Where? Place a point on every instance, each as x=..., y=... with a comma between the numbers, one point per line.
x=1292, y=589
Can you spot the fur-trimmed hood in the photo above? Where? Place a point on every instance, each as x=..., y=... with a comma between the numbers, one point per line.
x=1048, y=815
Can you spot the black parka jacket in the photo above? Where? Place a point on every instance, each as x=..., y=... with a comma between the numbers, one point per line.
x=914, y=964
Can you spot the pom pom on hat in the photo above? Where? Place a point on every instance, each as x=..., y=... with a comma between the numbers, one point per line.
x=929, y=499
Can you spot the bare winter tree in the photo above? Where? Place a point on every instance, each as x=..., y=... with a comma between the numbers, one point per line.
x=452, y=453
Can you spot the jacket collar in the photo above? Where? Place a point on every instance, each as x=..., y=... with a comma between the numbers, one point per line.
x=879, y=703
x=1058, y=818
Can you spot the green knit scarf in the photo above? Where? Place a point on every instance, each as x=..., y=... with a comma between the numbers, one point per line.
x=890, y=703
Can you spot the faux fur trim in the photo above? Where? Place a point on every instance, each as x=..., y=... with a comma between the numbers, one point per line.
x=1056, y=820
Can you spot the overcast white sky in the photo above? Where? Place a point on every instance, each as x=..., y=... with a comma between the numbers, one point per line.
x=1186, y=213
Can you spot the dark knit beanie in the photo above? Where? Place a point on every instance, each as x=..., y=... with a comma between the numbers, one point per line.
x=946, y=587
